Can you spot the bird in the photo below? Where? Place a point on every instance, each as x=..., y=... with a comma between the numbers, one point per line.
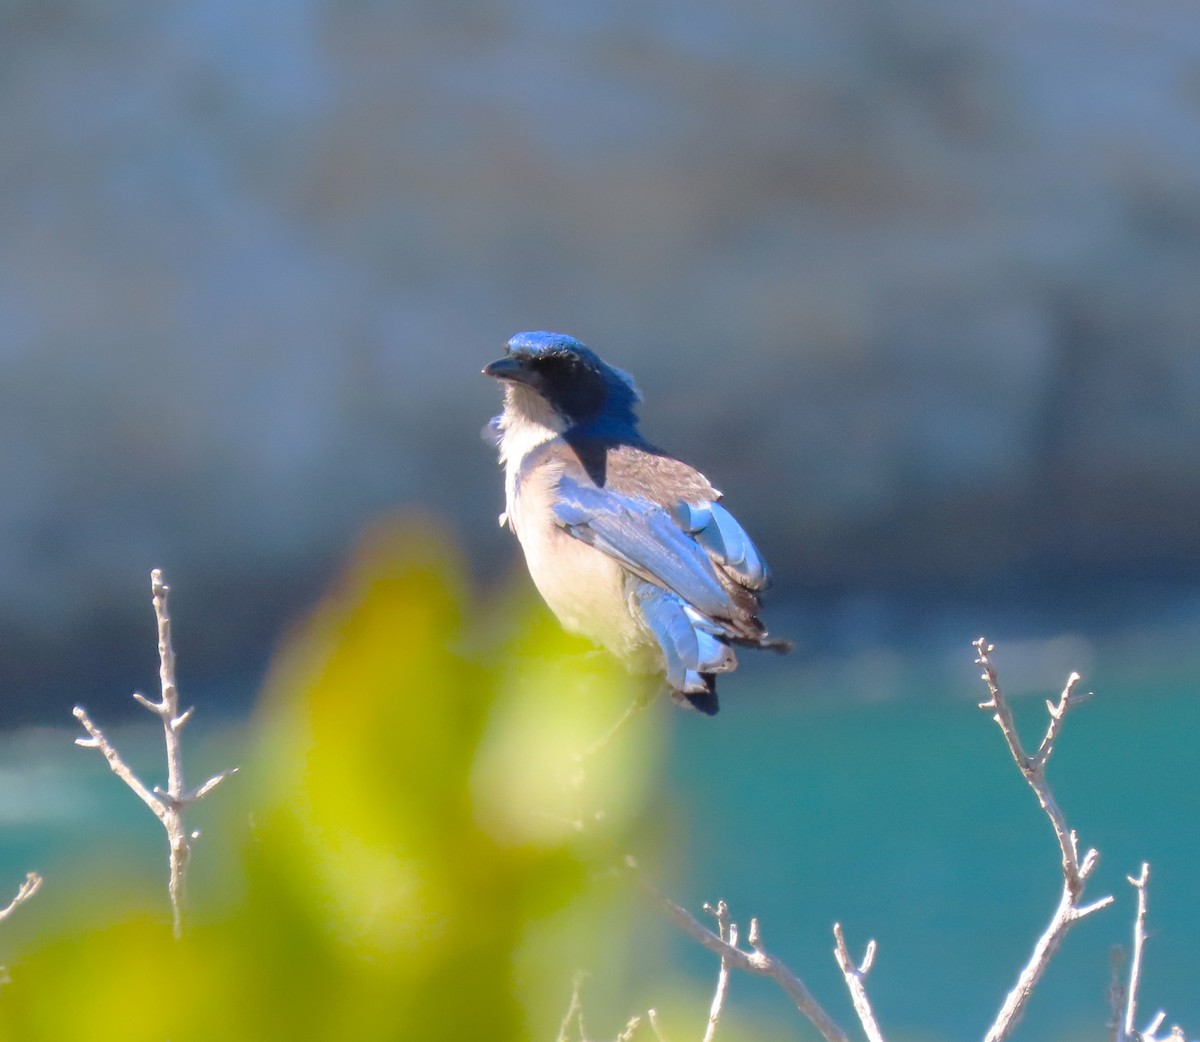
x=628, y=546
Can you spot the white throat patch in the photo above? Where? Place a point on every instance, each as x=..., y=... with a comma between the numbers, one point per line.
x=528, y=421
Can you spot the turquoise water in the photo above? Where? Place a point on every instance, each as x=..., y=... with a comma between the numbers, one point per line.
x=906, y=820
x=869, y=790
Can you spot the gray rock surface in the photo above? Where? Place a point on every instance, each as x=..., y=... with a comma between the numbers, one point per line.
x=916, y=284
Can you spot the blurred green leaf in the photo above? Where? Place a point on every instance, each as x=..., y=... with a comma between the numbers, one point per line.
x=415, y=848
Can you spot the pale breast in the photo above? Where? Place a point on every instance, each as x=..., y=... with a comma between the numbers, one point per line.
x=584, y=587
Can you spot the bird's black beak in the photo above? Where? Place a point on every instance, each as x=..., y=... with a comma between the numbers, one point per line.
x=508, y=368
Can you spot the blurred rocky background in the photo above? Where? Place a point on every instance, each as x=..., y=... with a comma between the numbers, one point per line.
x=917, y=284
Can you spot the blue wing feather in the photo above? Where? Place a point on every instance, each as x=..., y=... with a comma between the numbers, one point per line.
x=730, y=543
x=716, y=529
x=646, y=539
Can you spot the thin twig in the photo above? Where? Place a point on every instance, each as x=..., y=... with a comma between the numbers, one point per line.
x=1034, y=767
x=167, y=805
x=729, y=934
x=652, y=1015
x=574, y=1016
x=1075, y=870
x=1116, y=994
x=856, y=976
x=1139, y=943
x=120, y=768
x=644, y=698
x=1127, y=1030
x=574, y=1009
x=754, y=961
x=29, y=886
x=630, y=1029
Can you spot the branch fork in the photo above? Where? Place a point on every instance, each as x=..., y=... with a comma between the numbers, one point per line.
x=856, y=976
x=757, y=960
x=1034, y=767
x=1074, y=869
x=166, y=804
x=728, y=932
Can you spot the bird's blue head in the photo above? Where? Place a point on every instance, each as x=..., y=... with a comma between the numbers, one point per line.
x=570, y=377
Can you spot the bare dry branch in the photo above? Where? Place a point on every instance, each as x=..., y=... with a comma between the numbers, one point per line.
x=120, y=768
x=856, y=976
x=729, y=934
x=1116, y=994
x=167, y=804
x=1125, y=1020
x=29, y=886
x=644, y=698
x=1139, y=943
x=1075, y=871
x=1034, y=767
x=655, y=1025
x=574, y=1017
x=575, y=1009
x=630, y=1029
x=203, y=790
x=1065, y=916
x=755, y=961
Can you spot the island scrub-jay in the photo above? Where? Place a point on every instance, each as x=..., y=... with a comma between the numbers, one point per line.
x=627, y=545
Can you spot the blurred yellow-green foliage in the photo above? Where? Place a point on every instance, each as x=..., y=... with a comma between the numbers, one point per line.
x=411, y=849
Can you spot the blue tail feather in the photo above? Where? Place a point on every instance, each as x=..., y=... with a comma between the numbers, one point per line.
x=691, y=644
